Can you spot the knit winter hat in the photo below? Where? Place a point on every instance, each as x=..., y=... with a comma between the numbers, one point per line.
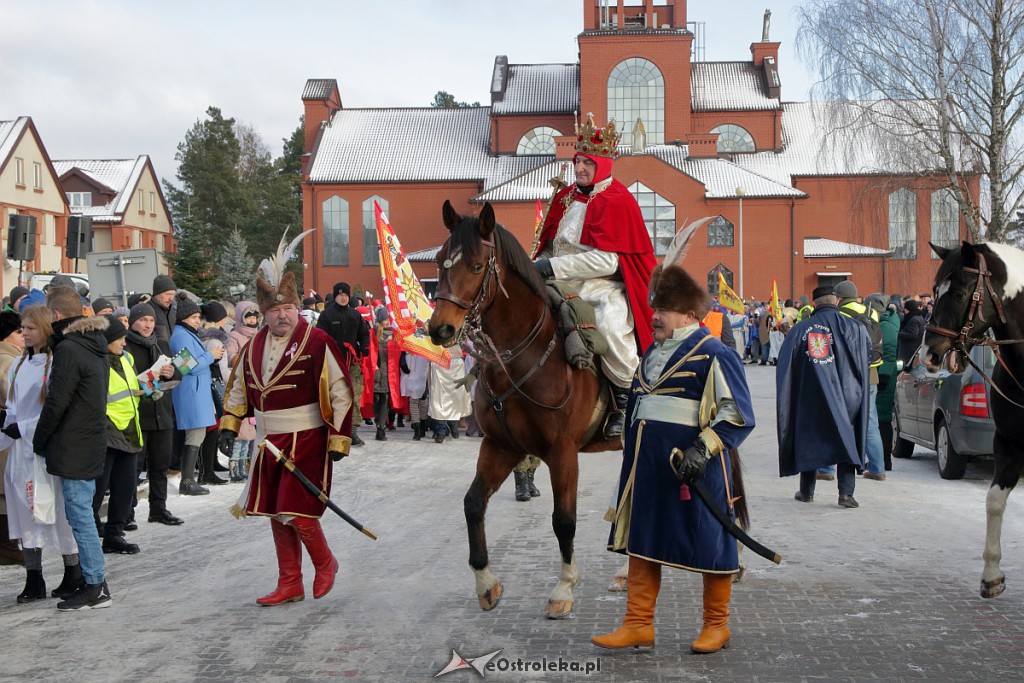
x=846, y=290
x=163, y=283
x=214, y=311
x=115, y=328
x=100, y=304
x=17, y=293
x=9, y=322
x=140, y=311
x=186, y=306
x=342, y=288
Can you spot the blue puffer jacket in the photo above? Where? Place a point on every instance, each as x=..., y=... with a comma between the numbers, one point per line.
x=193, y=400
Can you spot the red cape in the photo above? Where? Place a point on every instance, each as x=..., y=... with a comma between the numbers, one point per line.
x=614, y=223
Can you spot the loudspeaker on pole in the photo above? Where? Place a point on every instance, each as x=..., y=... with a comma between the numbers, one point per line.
x=21, y=237
x=79, y=236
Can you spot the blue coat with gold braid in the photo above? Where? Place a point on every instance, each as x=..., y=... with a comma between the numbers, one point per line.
x=688, y=387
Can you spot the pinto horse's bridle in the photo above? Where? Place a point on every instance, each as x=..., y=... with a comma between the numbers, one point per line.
x=962, y=340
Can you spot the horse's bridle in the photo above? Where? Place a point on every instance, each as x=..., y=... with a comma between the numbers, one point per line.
x=471, y=328
x=472, y=308
x=963, y=339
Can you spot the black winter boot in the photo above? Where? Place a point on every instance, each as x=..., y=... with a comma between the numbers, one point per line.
x=522, y=486
x=72, y=581
x=417, y=431
x=35, y=587
x=188, y=486
x=617, y=420
x=534, y=491
x=208, y=453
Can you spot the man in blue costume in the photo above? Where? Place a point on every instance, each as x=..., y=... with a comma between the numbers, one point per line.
x=688, y=406
x=822, y=398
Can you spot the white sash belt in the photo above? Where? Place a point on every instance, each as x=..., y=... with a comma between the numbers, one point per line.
x=680, y=411
x=289, y=420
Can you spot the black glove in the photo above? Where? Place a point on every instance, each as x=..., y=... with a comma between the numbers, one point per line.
x=689, y=464
x=226, y=441
x=336, y=455
x=543, y=266
x=12, y=430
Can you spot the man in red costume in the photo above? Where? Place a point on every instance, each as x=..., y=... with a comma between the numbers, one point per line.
x=595, y=238
x=293, y=379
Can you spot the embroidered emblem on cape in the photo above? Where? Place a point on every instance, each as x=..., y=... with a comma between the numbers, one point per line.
x=819, y=345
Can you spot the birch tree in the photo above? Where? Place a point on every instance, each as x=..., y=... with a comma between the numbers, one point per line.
x=938, y=84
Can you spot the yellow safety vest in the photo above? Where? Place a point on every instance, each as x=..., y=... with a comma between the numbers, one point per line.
x=122, y=403
x=860, y=309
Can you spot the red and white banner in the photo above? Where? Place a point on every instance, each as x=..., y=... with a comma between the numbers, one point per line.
x=408, y=306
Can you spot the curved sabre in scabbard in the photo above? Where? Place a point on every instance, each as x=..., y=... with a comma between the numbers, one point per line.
x=314, y=489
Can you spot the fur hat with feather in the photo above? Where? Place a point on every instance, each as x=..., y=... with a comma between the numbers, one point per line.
x=674, y=289
x=274, y=284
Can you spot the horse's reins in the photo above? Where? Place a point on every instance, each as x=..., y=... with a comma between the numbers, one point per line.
x=962, y=339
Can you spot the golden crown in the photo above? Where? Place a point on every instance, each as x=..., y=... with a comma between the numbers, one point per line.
x=600, y=142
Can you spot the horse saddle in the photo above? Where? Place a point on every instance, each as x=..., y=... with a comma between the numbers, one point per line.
x=584, y=343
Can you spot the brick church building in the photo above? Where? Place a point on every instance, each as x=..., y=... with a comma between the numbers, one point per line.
x=699, y=139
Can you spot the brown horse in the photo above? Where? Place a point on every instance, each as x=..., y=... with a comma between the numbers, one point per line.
x=529, y=400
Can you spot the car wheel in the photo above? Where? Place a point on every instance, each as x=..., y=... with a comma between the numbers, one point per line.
x=952, y=465
x=901, y=448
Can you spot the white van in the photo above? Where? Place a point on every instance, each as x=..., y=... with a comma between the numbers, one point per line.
x=41, y=280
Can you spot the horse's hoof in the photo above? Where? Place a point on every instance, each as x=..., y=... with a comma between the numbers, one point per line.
x=618, y=584
x=991, y=589
x=558, y=609
x=738, y=576
x=490, y=599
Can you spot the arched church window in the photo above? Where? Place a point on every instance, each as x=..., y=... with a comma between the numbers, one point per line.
x=371, y=252
x=659, y=216
x=636, y=88
x=540, y=140
x=903, y=224
x=733, y=139
x=713, y=278
x=945, y=219
x=720, y=233
x=334, y=219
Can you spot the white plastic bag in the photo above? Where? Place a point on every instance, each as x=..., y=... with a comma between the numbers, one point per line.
x=42, y=500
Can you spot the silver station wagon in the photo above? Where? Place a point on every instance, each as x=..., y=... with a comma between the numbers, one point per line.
x=946, y=413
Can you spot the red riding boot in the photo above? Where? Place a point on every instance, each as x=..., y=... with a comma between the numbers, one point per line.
x=289, y=566
x=312, y=536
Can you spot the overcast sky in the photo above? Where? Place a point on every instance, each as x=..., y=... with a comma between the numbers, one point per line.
x=119, y=78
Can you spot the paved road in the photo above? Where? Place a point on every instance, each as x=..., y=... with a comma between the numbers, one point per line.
x=886, y=592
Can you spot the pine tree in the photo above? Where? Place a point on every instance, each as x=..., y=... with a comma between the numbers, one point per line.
x=236, y=267
x=193, y=264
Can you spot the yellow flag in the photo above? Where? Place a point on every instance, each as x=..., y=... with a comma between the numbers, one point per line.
x=727, y=298
x=408, y=306
x=776, y=307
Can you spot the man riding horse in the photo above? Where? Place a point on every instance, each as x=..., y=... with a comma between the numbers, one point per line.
x=595, y=238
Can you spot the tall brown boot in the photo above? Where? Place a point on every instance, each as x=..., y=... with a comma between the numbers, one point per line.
x=715, y=634
x=637, y=628
x=289, y=566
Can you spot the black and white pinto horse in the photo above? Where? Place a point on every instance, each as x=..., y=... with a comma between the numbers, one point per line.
x=980, y=287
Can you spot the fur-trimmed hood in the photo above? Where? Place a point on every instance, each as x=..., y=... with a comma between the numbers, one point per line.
x=84, y=325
